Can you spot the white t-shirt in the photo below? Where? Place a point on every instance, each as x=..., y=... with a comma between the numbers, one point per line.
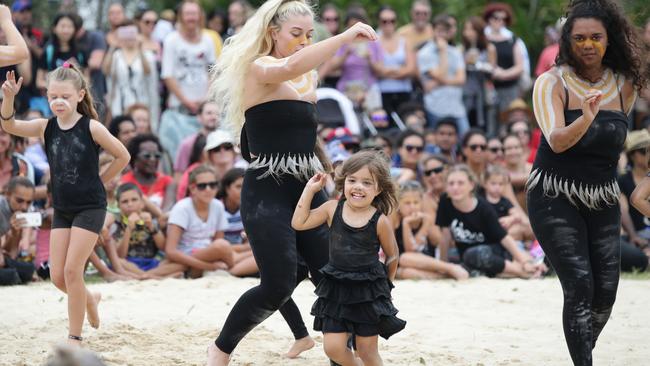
x=188, y=63
x=197, y=233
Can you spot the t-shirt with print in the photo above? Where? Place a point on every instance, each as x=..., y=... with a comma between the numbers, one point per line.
x=502, y=207
x=197, y=234
x=5, y=216
x=188, y=64
x=141, y=242
x=50, y=60
x=479, y=226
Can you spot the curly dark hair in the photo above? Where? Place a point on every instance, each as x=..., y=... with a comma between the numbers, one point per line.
x=623, y=54
x=134, y=145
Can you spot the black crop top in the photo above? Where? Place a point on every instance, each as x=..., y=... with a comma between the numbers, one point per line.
x=282, y=136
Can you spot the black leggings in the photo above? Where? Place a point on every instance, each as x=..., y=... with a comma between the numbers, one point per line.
x=583, y=246
x=267, y=207
x=290, y=311
x=487, y=258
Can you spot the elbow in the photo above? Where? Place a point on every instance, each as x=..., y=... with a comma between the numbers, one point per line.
x=556, y=146
x=636, y=200
x=296, y=225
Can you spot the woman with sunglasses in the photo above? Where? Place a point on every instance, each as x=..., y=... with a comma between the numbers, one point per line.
x=409, y=152
x=510, y=55
x=146, y=21
x=398, y=58
x=582, y=107
x=195, y=230
x=494, y=151
x=146, y=153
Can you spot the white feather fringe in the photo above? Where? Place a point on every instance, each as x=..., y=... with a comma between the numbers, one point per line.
x=593, y=197
x=301, y=166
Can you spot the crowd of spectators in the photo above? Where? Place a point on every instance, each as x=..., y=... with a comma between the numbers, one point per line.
x=431, y=94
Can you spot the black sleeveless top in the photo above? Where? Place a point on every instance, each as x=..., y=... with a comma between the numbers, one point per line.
x=353, y=248
x=505, y=59
x=74, y=166
x=587, y=171
x=282, y=136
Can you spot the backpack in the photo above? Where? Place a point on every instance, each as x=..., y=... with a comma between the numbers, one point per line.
x=49, y=57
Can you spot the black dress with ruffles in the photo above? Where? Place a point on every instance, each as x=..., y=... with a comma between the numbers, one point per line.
x=354, y=293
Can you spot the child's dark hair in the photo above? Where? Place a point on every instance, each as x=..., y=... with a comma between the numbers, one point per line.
x=16, y=182
x=228, y=179
x=114, y=126
x=197, y=149
x=69, y=72
x=379, y=168
x=125, y=187
x=204, y=168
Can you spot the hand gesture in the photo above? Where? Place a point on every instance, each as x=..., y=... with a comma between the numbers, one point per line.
x=16, y=223
x=133, y=219
x=148, y=220
x=413, y=217
x=5, y=14
x=10, y=87
x=360, y=32
x=316, y=183
x=591, y=104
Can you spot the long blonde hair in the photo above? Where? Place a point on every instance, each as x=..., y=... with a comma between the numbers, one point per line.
x=253, y=41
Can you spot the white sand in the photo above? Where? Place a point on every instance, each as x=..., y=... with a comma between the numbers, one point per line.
x=478, y=322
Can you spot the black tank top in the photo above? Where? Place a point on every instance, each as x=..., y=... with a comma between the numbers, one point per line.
x=73, y=156
x=505, y=59
x=353, y=248
x=586, y=171
x=282, y=136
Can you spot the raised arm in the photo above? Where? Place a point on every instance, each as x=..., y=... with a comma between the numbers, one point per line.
x=270, y=70
x=388, y=244
x=304, y=218
x=548, y=105
x=33, y=128
x=16, y=50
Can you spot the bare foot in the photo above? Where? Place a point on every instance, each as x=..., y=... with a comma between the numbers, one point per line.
x=299, y=346
x=91, y=309
x=73, y=343
x=217, y=357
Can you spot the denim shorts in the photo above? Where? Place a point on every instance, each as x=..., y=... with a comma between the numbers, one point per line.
x=90, y=219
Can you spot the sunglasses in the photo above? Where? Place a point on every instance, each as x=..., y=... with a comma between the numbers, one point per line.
x=496, y=17
x=203, y=186
x=410, y=148
x=331, y=19
x=475, y=147
x=387, y=21
x=437, y=170
x=520, y=132
x=496, y=150
x=150, y=156
x=20, y=201
x=223, y=147
x=149, y=21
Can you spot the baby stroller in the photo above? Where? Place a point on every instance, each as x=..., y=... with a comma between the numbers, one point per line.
x=334, y=109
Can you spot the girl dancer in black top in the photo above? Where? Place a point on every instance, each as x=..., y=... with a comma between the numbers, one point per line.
x=72, y=138
x=581, y=106
x=267, y=70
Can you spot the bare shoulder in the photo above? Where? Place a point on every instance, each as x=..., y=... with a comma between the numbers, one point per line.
x=269, y=61
x=96, y=126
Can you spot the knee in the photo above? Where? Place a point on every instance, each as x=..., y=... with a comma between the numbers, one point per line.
x=277, y=293
x=57, y=279
x=71, y=274
x=334, y=351
x=367, y=353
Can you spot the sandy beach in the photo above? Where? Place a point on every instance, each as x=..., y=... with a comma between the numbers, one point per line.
x=477, y=322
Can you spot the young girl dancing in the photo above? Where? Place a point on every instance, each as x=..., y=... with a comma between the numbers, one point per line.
x=354, y=293
x=72, y=138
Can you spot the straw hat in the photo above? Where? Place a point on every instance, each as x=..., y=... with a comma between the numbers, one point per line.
x=639, y=139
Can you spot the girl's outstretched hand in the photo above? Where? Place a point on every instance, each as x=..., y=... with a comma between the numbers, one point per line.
x=10, y=87
x=316, y=183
